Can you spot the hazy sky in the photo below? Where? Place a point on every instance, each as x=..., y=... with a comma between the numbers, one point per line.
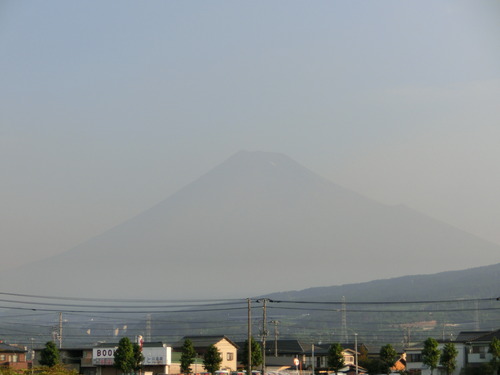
x=108, y=107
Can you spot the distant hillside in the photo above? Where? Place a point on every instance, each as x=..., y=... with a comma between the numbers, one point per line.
x=479, y=282
x=260, y=216
x=473, y=292
x=311, y=315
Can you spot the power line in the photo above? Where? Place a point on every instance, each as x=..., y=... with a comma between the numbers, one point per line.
x=118, y=311
x=112, y=300
x=385, y=302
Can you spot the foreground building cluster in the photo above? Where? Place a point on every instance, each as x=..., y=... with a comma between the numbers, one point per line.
x=282, y=356
x=472, y=348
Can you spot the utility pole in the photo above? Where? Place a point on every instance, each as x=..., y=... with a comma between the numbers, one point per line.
x=60, y=330
x=264, y=334
x=275, y=322
x=32, y=356
x=407, y=336
x=249, y=369
x=356, y=350
x=312, y=358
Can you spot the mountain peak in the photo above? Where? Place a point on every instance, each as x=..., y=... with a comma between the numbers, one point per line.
x=257, y=223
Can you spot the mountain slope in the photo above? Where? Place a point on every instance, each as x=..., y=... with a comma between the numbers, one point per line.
x=471, y=283
x=257, y=223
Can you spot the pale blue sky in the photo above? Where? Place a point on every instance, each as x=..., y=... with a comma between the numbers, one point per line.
x=108, y=107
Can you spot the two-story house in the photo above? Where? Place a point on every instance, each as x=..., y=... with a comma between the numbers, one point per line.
x=13, y=357
x=472, y=347
x=224, y=345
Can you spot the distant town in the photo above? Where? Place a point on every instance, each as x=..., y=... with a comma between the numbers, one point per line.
x=471, y=352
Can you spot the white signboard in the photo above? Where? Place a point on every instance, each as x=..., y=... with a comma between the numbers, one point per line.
x=103, y=356
x=157, y=356
x=152, y=356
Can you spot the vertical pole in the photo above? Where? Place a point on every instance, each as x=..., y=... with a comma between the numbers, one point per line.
x=275, y=322
x=60, y=330
x=249, y=367
x=356, y=350
x=32, y=356
x=312, y=358
x=264, y=335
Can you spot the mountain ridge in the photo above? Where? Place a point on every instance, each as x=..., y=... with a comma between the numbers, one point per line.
x=452, y=284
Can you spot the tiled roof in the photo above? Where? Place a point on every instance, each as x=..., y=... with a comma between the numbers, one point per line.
x=285, y=347
x=467, y=336
x=202, y=342
x=11, y=349
x=488, y=336
x=323, y=348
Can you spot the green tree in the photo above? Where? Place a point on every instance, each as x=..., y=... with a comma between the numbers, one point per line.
x=363, y=354
x=388, y=357
x=49, y=356
x=138, y=357
x=256, y=354
x=124, y=356
x=449, y=357
x=335, y=359
x=431, y=353
x=212, y=359
x=494, y=350
x=187, y=357
x=372, y=365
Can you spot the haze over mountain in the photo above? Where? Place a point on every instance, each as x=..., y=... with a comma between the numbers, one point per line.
x=258, y=223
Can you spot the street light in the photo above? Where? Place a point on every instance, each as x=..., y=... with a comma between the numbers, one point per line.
x=356, y=350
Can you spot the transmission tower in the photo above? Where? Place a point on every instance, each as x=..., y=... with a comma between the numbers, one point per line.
x=343, y=331
x=148, y=328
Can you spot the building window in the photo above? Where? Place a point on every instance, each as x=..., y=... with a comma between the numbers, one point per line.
x=230, y=356
x=414, y=357
x=2, y=357
x=481, y=350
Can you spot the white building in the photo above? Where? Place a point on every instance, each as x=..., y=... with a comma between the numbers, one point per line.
x=472, y=350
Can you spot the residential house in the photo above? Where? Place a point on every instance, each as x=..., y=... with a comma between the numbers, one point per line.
x=280, y=355
x=472, y=347
x=350, y=353
x=13, y=357
x=224, y=345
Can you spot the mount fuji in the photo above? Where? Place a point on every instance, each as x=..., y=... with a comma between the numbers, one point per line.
x=255, y=224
